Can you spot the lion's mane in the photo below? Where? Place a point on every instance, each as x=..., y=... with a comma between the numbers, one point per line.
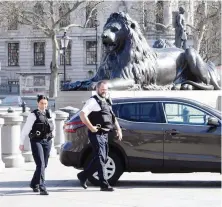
x=136, y=60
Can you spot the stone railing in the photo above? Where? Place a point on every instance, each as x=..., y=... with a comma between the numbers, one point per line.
x=11, y=123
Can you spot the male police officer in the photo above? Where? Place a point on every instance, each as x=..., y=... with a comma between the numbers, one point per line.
x=99, y=118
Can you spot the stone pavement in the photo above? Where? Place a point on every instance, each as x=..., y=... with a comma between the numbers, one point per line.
x=133, y=190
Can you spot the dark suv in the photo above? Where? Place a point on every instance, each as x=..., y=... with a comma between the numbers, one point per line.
x=161, y=135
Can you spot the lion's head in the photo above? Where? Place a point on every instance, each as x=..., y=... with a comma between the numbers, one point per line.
x=116, y=32
x=127, y=53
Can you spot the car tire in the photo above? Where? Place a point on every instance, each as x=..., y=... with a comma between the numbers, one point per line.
x=113, y=161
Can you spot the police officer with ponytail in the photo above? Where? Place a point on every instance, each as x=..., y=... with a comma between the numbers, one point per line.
x=40, y=127
x=99, y=118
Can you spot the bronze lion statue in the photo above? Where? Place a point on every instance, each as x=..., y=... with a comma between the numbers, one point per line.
x=129, y=63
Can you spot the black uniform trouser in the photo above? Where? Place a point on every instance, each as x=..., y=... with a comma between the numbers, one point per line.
x=40, y=151
x=99, y=143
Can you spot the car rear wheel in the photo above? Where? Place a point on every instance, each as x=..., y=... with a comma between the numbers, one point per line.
x=113, y=167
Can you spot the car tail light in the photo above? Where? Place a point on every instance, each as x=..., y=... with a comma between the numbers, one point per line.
x=72, y=126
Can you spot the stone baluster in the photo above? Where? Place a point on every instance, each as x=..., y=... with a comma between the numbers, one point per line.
x=59, y=122
x=27, y=153
x=2, y=164
x=53, y=152
x=11, y=130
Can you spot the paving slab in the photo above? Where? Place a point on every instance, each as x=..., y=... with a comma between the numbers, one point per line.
x=133, y=189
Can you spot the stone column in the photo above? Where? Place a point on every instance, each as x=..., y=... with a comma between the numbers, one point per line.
x=27, y=153
x=191, y=13
x=11, y=155
x=2, y=164
x=167, y=13
x=59, y=121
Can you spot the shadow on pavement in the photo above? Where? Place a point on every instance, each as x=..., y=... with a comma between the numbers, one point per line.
x=49, y=183
x=29, y=192
x=21, y=188
x=168, y=184
x=16, y=188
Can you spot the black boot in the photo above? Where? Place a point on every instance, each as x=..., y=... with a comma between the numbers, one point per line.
x=109, y=188
x=82, y=181
x=44, y=192
x=34, y=188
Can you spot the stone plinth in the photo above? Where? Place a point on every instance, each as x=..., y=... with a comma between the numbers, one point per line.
x=77, y=98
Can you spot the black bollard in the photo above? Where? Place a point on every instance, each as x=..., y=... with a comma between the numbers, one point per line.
x=23, y=107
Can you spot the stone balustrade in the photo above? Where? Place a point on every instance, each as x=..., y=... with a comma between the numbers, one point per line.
x=11, y=123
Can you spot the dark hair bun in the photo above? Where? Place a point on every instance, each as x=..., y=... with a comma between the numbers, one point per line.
x=40, y=97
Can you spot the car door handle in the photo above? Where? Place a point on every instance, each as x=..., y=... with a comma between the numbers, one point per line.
x=172, y=132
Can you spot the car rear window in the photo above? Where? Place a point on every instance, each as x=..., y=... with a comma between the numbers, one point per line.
x=75, y=117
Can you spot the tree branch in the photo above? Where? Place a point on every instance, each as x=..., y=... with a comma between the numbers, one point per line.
x=52, y=12
x=166, y=27
x=34, y=15
x=91, y=12
x=26, y=21
x=75, y=6
x=192, y=27
x=69, y=26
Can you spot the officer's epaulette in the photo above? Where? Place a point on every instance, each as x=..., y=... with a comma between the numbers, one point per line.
x=108, y=100
x=34, y=111
x=47, y=112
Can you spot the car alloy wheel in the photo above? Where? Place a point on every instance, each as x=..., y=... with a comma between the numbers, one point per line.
x=114, y=169
x=110, y=169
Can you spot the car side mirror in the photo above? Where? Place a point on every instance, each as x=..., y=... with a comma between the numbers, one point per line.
x=213, y=121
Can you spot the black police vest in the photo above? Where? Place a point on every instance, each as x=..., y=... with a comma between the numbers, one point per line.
x=41, y=127
x=105, y=117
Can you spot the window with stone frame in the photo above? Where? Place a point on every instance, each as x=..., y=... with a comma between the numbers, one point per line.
x=38, y=10
x=68, y=54
x=63, y=9
x=39, y=53
x=159, y=14
x=90, y=52
x=91, y=19
x=39, y=81
x=13, y=54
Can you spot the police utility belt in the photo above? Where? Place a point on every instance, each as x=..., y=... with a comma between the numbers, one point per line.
x=40, y=135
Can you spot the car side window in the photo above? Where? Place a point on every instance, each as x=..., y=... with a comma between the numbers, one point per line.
x=177, y=113
x=139, y=112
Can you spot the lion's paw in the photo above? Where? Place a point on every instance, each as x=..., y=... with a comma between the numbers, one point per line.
x=187, y=87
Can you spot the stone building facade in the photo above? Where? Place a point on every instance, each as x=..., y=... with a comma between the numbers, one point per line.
x=24, y=49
